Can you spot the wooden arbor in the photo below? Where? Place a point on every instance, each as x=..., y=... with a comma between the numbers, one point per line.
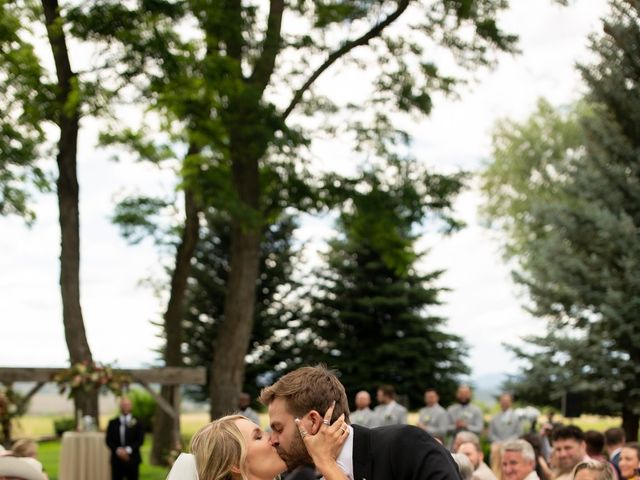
x=145, y=377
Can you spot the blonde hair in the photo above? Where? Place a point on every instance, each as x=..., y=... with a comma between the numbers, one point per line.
x=603, y=470
x=218, y=448
x=309, y=388
x=25, y=447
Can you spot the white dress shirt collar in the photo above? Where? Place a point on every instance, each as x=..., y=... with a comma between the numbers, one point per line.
x=345, y=457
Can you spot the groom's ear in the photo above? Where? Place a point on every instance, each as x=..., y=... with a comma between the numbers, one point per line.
x=316, y=421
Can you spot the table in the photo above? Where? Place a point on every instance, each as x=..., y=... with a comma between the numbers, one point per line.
x=84, y=456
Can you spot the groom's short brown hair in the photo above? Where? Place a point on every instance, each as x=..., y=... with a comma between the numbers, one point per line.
x=309, y=388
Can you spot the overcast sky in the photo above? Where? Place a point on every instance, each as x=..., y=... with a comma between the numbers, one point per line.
x=483, y=305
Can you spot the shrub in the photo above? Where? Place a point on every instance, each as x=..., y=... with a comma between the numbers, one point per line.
x=64, y=424
x=143, y=407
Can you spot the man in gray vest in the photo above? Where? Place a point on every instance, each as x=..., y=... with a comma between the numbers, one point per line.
x=505, y=425
x=464, y=416
x=388, y=411
x=433, y=418
x=363, y=415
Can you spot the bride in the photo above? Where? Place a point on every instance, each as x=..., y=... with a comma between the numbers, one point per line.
x=235, y=448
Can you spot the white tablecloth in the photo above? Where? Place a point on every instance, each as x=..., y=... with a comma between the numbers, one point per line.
x=84, y=456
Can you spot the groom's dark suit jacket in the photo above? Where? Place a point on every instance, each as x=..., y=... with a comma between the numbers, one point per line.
x=400, y=452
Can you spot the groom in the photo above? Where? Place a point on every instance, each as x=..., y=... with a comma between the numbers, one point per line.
x=396, y=452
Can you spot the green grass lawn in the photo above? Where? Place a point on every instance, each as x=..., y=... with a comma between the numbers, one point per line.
x=49, y=455
x=41, y=426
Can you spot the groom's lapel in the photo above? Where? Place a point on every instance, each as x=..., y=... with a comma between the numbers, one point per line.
x=361, y=453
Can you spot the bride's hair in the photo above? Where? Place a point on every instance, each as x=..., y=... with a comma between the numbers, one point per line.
x=218, y=447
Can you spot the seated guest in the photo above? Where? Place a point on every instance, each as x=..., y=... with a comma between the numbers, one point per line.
x=569, y=449
x=595, y=445
x=463, y=437
x=480, y=469
x=630, y=461
x=542, y=467
x=22, y=468
x=28, y=449
x=614, y=440
x=518, y=461
x=594, y=470
x=25, y=448
x=496, y=460
x=464, y=465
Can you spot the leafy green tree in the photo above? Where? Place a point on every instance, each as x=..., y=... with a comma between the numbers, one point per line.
x=275, y=299
x=245, y=86
x=568, y=361
x=33, y=100
x=576, y=230
x=371, y=317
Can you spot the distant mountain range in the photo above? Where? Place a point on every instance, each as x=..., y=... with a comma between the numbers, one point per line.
x=487, y=387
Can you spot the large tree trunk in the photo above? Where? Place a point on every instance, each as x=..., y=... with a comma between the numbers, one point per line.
x=630, y=423
x=227, y=369
x=68, y=194
x=166, y=430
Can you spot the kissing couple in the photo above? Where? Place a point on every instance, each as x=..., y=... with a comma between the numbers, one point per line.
x=309, y=417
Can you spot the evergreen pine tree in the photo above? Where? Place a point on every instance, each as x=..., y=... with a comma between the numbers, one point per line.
x=371, y=317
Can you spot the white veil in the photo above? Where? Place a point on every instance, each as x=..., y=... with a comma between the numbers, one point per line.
x=184, y=468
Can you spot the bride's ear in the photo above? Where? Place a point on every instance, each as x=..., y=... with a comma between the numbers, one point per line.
x=235, y=470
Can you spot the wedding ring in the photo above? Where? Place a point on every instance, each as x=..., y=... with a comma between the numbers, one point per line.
x=344, y=429
x=326, y=422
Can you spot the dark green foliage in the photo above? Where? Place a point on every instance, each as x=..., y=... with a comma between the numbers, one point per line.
x=568, y=194
x=370, y=315
x=64, y=424
x=567, y=361
x=26, y=99
x=143, y=407
x=275, y=305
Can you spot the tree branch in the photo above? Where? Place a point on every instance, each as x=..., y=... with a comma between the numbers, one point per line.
x=346, y=48
x=270, y=46
x=231, y=32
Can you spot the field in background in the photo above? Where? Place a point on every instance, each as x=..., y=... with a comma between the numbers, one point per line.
x=39, y=426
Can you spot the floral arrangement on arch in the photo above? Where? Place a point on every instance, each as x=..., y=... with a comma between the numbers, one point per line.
x=91, y=376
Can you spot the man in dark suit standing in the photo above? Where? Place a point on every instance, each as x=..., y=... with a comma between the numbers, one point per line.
x=125, y=435
x=396, y=452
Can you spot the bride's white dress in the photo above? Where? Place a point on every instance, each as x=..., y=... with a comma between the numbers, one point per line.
x=184, y=468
